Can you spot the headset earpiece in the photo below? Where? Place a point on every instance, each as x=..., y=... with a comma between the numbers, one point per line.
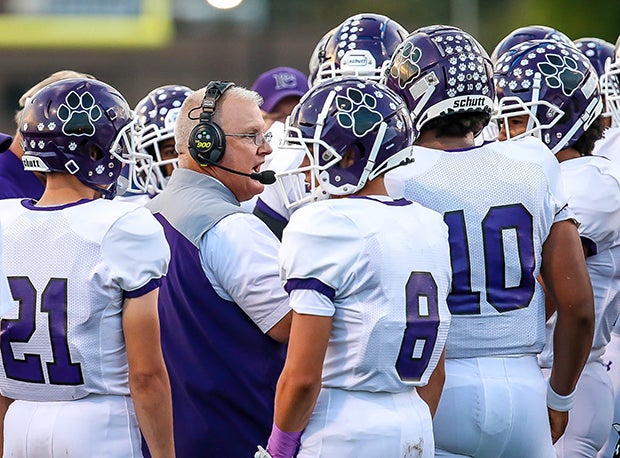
x=207, y=142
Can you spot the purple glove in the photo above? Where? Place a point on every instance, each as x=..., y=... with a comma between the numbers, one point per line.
x=282, y=444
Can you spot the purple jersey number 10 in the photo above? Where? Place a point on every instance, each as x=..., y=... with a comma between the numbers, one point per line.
x=60, y=371
x=465, y=300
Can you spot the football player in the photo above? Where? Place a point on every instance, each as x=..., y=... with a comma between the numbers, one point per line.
x=80, y=352
x=368, y=277
x=157, y=114
x=609, y=146
x=551, y=90
x=509, y=223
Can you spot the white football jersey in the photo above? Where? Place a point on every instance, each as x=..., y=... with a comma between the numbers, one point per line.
x=609, y=145
x=382, y=269
x=281, y=159
x=499, y=201
x=592, y=185
x=70, y=268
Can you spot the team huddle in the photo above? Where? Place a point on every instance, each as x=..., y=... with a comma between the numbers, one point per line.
x=414, y=251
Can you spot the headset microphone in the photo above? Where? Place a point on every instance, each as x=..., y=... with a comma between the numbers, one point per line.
x=264, y=177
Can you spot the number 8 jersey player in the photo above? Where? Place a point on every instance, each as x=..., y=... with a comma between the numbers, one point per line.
x=84, y=273
x=368, y=278
x=509, y=223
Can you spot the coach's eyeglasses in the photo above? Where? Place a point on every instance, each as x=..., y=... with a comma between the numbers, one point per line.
x=259, y=138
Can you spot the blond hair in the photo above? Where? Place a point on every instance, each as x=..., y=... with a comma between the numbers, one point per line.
x=56, y=76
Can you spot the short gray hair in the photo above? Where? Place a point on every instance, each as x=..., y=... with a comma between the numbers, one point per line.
x=192, y=105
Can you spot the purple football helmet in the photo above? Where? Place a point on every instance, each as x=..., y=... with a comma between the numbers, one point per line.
x=601, y=54
x=157, y=115
x=441, y=70
x=360, y=46
x=79, y=126
x=350, y=130
x=612, y=86
x=554, y=85
x=528, y=33
x=597, y=51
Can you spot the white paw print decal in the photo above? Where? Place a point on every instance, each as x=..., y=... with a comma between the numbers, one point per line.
x=561, y=72
x=356, y=111
x=78, y=114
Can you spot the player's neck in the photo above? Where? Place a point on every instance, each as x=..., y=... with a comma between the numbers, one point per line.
x=429, y=139
x=566, y=154
x=62, y=188
x=374, y=187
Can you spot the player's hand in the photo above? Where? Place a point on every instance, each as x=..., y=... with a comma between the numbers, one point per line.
x=262, y=453
x=558, y=422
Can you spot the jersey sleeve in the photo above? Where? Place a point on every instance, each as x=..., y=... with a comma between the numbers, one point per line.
x=319, y=250
x=311, y=302
x=594, y=196
x=136, y=250
x=240, y=259
x=536, y=150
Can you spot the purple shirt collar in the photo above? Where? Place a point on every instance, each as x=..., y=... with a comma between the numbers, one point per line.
x=395, y=202
x=31, y=204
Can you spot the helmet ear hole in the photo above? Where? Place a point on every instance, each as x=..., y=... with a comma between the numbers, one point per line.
x=96, y=154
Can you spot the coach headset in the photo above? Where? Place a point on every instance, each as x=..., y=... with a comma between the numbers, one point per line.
x=207, y=141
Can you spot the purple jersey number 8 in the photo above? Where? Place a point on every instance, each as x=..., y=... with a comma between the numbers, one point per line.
x=418, y=345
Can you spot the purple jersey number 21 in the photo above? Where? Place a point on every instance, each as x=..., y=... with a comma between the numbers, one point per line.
x=60, y=371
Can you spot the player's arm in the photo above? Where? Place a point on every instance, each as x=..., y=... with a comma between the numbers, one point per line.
x=549, y=304
x=281, y=330
x=300, y=382
x=567, y=281
x=431, y=392
x=4, y=406
x=148, y=377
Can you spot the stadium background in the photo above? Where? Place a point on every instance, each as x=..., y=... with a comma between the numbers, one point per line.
x=137, y=45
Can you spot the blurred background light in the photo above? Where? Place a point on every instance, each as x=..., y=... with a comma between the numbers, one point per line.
x=224, y=4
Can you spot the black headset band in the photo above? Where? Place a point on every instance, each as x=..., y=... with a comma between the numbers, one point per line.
x=213, y=92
